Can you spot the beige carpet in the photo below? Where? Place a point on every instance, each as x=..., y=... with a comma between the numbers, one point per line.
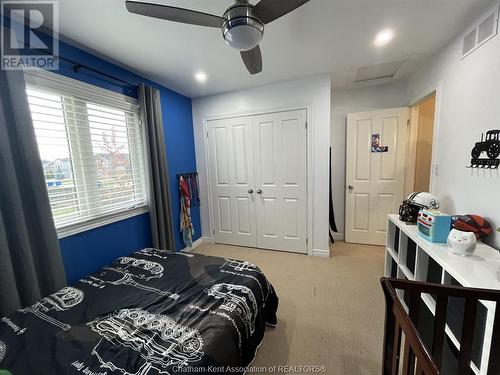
x=331, y=311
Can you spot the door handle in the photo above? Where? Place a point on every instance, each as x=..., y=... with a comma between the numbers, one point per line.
x=350, y=187
x=259, y=191
x=250, y=191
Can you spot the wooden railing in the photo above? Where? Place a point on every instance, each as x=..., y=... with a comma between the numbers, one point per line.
x=401, y=337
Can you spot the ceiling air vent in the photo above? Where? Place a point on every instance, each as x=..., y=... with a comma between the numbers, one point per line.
x=487, y=29
x=469, y=42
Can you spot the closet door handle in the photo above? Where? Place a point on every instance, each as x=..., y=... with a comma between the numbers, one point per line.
x=259, y=191
x=250, y=191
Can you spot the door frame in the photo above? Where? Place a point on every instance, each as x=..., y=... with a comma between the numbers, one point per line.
x=309, y=164
x=436, y=90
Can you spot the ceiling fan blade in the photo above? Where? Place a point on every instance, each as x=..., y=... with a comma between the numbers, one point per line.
x=252, y=60
x=270, y=10
x=174, y=14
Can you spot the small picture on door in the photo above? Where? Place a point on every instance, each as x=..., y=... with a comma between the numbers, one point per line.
x=376, y=146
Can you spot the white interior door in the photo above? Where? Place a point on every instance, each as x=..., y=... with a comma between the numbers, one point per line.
x=374, y=178
x=232, y=181
x=280, y=180
x=258, y=180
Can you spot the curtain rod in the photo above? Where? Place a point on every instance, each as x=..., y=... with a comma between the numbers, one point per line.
x=77, y=66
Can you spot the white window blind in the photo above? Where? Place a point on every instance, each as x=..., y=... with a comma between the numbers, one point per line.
x=91, y=147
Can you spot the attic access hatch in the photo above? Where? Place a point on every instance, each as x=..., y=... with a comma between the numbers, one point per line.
x=378, y=73
x=483, y=32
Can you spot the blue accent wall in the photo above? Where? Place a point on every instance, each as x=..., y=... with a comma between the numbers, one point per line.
x=179, y=140
x=86, y=252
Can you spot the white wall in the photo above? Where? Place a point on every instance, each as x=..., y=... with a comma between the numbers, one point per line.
x=468, y=104
x=313, y=93
x=356, y=100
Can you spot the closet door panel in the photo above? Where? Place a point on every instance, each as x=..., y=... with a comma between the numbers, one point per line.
x=232, y=182
x=280, y=141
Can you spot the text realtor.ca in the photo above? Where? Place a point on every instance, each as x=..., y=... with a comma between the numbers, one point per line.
x=29, y=35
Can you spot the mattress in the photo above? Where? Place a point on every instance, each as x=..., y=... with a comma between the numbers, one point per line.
x=153, y=312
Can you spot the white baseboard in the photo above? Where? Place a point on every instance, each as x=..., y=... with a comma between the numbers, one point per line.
x=196, y=243
x=320, y=253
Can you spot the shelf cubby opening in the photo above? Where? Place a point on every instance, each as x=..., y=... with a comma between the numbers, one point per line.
x=455, y=320
x=425, y=327
x=391, y=265
x=406, y=295
x=394, y=269
x=428, y=271
x=393, y=233
x=422, y=265
x=411, y=255
x=408, y=254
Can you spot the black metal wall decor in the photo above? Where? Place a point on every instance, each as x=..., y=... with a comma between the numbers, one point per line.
x=489, y=145
x=191, y=179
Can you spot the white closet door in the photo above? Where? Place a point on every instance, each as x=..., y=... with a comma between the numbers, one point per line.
x=232, y=181
x=279, y=141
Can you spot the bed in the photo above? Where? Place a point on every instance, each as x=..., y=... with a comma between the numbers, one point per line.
x=153, y=312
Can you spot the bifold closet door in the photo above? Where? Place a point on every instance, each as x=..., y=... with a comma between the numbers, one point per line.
x=258, y=180
x=232, y=181
x=279, y=141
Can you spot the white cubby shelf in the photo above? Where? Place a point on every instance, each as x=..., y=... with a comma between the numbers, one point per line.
x=410, y=256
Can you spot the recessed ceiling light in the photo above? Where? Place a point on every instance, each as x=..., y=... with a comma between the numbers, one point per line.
x=383, y=38
x=201, y=77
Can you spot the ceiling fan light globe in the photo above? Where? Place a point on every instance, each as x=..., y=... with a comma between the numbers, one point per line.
x=242, y=30
x=243, y=37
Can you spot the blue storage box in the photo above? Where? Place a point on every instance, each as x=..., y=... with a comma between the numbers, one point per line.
x=433, y=225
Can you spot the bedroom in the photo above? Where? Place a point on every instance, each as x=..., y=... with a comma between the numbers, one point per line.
x=123, y=131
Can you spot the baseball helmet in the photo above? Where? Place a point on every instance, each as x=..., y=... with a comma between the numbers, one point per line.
x=408, y=211
x=472, y=223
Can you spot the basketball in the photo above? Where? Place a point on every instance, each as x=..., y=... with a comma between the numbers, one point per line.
x=472, y=223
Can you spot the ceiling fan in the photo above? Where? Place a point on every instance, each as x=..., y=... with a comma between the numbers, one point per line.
x=242, y=24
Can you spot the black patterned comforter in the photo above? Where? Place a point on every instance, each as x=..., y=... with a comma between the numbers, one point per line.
x=152, y=312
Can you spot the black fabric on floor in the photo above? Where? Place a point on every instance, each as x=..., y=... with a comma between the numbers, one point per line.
x=333, y=224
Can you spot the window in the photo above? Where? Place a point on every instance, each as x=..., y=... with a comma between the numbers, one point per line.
x=91, y=147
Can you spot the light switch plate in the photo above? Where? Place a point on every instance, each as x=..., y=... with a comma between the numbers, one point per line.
x=436, y=169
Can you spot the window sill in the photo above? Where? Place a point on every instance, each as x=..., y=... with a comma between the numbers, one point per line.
x=99, y=222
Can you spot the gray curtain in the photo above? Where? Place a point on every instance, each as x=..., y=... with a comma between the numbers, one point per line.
x=31, y=265
x=160, y=204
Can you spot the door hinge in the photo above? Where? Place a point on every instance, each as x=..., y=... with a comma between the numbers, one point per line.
x=307, y=241
x=213, y=231
x=306, y=124
x=207, y=133
x=408, y=122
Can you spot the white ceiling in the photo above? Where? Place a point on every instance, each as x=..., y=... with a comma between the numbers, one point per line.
x=323, y=36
